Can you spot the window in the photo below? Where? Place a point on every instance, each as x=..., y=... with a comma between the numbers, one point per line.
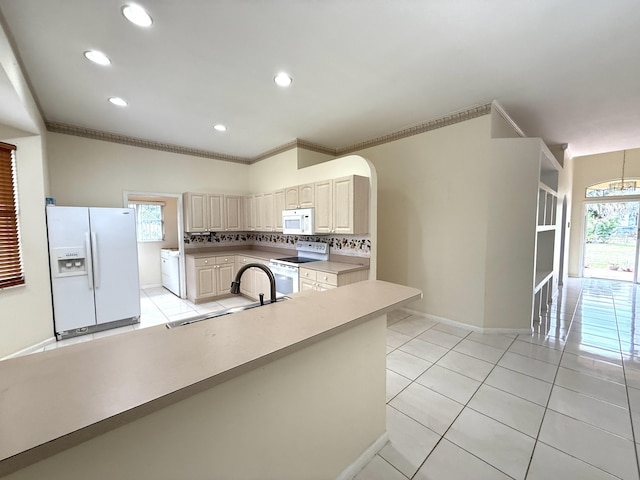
x=149, y=220
x=630, y=186
x=11, y=273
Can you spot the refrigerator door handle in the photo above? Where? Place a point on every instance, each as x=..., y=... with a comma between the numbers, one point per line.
x=87, y=247
x=95, y=260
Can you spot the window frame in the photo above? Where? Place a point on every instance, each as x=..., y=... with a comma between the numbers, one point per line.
x=11, y=258
x=134, y=204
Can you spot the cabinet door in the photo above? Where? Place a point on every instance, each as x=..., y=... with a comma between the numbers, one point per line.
x=306, y=285
x=324, y=208
x=233, y=212
x=278, y=206
x=321, y=287
x=205, y=281
x=263, y=285
x=216, y=212
x=268, y=212
x=224, y=276
x=343, y=205
x=248, y=283
x=259, y=212
x=249, y=213
x=306, y=195
x=291, y=197
x=195, y=212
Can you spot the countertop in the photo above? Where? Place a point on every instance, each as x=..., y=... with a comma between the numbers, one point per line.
x=55, y=399
x=330, y=266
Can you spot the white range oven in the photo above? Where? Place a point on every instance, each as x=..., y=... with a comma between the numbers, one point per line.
x=287, y=270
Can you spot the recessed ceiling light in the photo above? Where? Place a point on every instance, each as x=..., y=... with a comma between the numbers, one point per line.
x=118, y=101
x=137, y=15
x=97, y=57
x=220, y=128
x=283, y=79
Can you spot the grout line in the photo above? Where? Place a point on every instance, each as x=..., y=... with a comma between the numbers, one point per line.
x=546, y=407
x=459, y=413
x=624, y=373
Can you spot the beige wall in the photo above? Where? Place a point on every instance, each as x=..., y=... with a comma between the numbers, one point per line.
x=26, y=315
x=431, y=227
x=95, y=173
x=282, y=170
x=590, y=170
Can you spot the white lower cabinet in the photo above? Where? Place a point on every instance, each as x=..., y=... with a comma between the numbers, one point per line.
x=254, y=280
x=318, y=280
x=209, y=277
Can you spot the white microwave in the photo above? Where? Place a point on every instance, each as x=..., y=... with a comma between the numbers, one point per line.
x=298, y=222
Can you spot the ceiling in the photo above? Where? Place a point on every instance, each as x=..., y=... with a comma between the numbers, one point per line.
x=565, y=70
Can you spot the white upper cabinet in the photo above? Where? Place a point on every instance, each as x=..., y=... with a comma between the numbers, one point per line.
x=279, y=206
x=215, y=204
x=233, y=212
x=195, y=212
x=299, y=196
x=268, y=212
x=342, y=205
x=212, y=212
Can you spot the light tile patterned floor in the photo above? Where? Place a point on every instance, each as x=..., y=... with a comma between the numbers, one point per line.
x=561, y=403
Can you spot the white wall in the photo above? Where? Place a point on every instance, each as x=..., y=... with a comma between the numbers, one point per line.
x=25, y=311
x=589, y=170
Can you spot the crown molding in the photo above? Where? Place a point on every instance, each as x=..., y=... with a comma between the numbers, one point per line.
x=497, y=107
x=137, y=142
x=457, y=117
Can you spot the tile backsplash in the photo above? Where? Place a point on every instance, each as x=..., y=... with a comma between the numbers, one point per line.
x=350, y=245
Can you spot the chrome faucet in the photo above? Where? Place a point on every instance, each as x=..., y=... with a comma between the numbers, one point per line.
x=235, y=285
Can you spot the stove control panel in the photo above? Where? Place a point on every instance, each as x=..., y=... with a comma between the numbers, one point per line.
x=315, y=247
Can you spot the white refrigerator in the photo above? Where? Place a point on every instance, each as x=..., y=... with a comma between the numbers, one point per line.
x=93, y=256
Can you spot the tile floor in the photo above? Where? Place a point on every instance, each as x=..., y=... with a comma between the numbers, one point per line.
x=158, y=306
x=561, y=403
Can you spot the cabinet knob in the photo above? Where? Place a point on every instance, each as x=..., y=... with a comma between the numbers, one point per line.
x=206, y=261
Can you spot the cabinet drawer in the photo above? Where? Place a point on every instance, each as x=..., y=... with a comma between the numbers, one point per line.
x=328, y=278
x=224, y=259
x=317, y=276
x=307, y=274
x=204, y=261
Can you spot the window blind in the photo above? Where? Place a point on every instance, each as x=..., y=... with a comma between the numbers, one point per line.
x=11, y=272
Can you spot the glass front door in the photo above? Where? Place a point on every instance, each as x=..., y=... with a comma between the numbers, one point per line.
x=611, y=241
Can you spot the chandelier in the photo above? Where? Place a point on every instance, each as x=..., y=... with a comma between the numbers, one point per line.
x=623, y=186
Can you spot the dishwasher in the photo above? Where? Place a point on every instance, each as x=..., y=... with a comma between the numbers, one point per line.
x=170, y=266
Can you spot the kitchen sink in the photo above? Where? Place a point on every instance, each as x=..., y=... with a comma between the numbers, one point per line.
x=221, y=313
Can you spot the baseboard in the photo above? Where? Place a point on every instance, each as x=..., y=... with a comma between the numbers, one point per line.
x=151, y=285
x=31, y=349
x=473, y=328
x=366, y=456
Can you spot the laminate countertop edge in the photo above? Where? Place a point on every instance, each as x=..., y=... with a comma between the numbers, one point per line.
x=53, y=400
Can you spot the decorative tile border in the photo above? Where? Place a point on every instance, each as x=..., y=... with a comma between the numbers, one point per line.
x=457, y=117
x=348, y=245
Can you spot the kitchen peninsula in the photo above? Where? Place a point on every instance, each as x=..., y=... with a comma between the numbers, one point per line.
x=294, y=389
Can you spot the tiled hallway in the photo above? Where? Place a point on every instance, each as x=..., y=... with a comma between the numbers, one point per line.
x=560, y=405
